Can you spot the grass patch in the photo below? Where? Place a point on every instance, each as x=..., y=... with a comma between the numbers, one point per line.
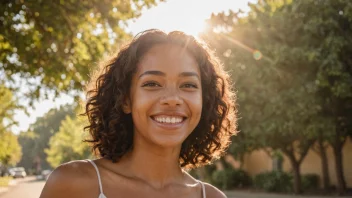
x=4, y=181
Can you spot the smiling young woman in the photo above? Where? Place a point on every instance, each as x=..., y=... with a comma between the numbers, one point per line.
x=161, y=105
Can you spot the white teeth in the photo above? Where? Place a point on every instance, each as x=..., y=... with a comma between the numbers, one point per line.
x=168, y=119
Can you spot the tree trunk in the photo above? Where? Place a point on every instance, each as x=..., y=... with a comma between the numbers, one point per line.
x=296, y=163
x=341, y=183
x=296, y=178
x=296, y=171
x=324, y=165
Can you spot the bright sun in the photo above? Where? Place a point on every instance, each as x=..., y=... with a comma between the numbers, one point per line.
x=188, y=16
x=194, y=29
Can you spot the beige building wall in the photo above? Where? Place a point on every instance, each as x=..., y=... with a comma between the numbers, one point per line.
x=259, y=161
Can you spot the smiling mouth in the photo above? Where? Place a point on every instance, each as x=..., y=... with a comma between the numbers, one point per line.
x=168, y=119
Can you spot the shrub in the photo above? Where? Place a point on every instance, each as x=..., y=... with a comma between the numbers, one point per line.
x=231, y=178
x=310, y=182
x=274, y=181
x=4, y=181
x=204, y=173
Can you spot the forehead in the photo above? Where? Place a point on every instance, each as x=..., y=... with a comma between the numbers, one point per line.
x=169, y=59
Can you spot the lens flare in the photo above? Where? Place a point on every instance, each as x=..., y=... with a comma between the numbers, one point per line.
x=257, y=55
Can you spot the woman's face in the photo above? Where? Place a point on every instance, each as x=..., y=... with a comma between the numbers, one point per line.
x=166, y=96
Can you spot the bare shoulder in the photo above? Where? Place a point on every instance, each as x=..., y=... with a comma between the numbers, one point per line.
x=71, y=179
x=212, y=191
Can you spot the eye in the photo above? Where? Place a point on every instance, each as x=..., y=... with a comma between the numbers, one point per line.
x=190, y=85
x=151, y=84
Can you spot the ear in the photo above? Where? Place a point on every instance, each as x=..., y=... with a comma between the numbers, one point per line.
x=126, y=106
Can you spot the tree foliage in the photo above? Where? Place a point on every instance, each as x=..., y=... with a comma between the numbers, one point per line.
x=290, y=64
x=10, y=150
x=8, y=105
x=36, y=140
x=59, y=42
x=67, y=144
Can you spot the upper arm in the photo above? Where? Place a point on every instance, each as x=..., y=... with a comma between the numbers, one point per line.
x=66, y=181
x=212, y=191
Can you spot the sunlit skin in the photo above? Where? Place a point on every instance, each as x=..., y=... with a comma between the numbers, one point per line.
x=167, y=84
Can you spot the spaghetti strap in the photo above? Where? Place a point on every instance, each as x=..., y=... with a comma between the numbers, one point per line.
x=203, y=189
x=101, y=195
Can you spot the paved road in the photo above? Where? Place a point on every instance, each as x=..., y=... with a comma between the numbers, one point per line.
x=29, y=188
x=239, y=194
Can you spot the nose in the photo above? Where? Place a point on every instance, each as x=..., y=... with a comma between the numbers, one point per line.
x=171, y=98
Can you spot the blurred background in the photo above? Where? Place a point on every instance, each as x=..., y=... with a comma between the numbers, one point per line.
x=290, y=61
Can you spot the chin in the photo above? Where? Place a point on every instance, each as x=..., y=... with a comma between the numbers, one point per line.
x=168, y=142
x=162, y=138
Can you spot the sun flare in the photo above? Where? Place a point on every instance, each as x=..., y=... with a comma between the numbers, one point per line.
x=188, y=16
x=194, y=29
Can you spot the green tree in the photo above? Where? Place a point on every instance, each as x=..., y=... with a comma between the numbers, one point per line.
x=58, y=42
x=265, y=99
x=8, y=105
x=36, y=140
x=298, y=74
x=10, y=150
x=330, y=32
x=67, y=144
x=27, y=140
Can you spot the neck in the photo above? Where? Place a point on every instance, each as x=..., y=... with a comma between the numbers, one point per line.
x=157, y=166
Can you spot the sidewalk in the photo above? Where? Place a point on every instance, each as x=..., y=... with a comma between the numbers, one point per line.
x=3, y=190
x=14, y=182
x=239, y=194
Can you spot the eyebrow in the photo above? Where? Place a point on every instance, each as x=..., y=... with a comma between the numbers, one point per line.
x=160, y=73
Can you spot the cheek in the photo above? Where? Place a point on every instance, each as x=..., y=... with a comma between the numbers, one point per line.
x=196, y=105
x=142, y=102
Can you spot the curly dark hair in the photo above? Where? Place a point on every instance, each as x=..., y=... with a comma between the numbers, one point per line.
x=111, y=129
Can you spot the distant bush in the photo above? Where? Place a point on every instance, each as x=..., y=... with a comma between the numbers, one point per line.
x=310, y=182
x=204, y=173
x=230, y=178
x=4, y=181
x=274, y=181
